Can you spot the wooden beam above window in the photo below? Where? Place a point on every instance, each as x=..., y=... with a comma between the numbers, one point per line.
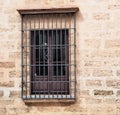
x=47, y=11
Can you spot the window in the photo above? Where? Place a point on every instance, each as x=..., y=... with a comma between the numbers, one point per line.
x=48, y=53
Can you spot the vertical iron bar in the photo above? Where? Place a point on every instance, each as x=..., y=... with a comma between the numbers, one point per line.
x=65, y=59
x=39, y=54
x=30, y=59
x=44, y=57
x=26, y=56
x=52, y=59
x=48, y=54
x=70, y=55
x=61, y=55
x=75, y=53
x=56, y=57
x=34, y=56
x=22, y=54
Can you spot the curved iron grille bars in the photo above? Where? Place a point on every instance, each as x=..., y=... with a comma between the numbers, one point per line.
x=48, y=53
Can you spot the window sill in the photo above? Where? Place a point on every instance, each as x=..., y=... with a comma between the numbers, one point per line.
x=48, y=98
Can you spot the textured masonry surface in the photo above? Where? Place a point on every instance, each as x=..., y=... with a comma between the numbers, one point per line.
x=98, y=59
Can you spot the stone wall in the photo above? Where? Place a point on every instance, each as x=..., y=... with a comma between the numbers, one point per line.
x=98, y=59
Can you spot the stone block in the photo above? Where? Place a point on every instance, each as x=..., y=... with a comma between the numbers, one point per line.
x=113, y=6
x=1, y=93
x=101, y=16
x=14, y=74
x=7, y=64
x=1, y=74
x=113, y=83
x=118, y=93
x=103, y=92
x=91, y=43
x=93, y=83
x=7, y=83
x=100, y=73
x=118, y=73
x=2, y=111
x=92, y=63
x=15, y=94
x=112, y=43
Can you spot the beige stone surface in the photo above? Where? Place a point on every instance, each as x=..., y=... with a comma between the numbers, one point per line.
x=98, y=59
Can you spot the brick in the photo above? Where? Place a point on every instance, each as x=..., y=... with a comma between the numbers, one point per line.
x=91, y=43
x=111, y=100
x=13, y=19
x=114, y=6
x=7, y=64
x=92, y=63
x=2, y=111
x=101, y=16
x=14, y=55
x=15, y=94
x=100, y=73
x=6, y=83
x=113, y=83
x=1, y=74
x=85, y=72
x=1, y=2
x=112, y=43
x=8, y=44
x=118, y=73
x=112, y=62
x=84, y=92
x=118, y=109
x=102, y=34
x=93, y=26
x=93, y=83
x=84, y=53
x=103, y=92
x=14, y=74
x=1, y=93
x=74, y=109
x=93, y=101
x=105, y=53
x=12, y=111
x=118, y=93
x=6, y=102
x=72, y=0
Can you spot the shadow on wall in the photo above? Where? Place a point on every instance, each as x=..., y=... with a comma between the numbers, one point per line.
x=49, y=104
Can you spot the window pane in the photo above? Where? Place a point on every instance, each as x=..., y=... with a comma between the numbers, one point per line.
x=58, y=55
x=58, y=70
x=42, y=70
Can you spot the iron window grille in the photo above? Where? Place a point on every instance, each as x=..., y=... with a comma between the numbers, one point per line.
x=48, y=42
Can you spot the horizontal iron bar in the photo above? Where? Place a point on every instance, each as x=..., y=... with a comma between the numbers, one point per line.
x=57, y=29
x=46, y=45
x=61, y=76
x=48, y=91
x=50, y=65
x=49, y=81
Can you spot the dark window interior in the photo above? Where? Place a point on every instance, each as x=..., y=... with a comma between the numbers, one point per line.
x=50, y=56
